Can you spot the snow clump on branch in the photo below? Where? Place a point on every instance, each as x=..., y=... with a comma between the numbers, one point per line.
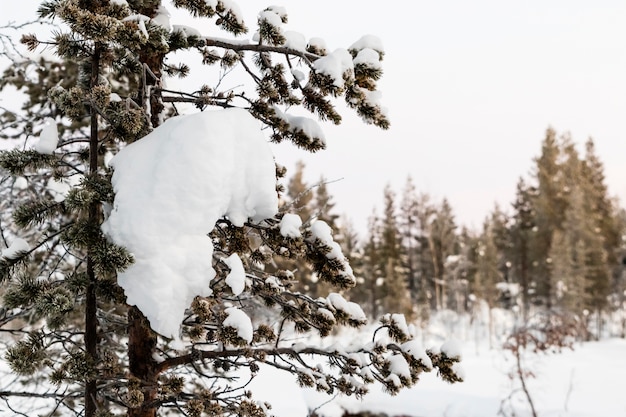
x=16, y=249
x=48, y=138
x=171, y=187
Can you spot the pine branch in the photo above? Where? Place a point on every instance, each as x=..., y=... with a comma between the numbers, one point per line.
x=307, y=56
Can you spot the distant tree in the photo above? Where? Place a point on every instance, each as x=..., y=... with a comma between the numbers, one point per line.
x=397, y=297
x=488, y=273
x=442, y=240
x=323, y=205
x=83, y=349
x=370, y=293
x=605, y=234
x=300, y=194
x=384, y=259
x=549, y=205
x=521, y=233
x=410, y=232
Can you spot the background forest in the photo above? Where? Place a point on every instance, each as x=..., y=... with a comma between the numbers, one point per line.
x=558, y=246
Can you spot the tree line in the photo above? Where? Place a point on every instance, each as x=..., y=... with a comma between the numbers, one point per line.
x=558, y=246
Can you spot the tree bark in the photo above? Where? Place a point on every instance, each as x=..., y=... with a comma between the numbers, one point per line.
x=142, y=340
x=91, y=319
x=141, y=344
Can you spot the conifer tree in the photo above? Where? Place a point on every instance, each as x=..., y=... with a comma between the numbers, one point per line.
x=92, y=353
x=605, y=232
x=370, y=293
x=550, y=203
x=442, y=239
x=520, y=237
x=395, y=297
x=488, y=273
x=410, y=230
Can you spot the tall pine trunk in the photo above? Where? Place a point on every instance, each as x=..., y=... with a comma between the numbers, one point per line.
x=141, y=344
x=91, y=320
x=142, y=340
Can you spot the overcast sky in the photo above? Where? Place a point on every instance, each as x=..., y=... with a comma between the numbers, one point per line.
x=470, y=88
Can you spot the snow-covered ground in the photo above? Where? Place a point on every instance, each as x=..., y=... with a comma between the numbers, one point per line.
x=584, y=382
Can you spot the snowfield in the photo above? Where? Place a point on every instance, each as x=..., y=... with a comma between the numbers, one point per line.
x=584, y=382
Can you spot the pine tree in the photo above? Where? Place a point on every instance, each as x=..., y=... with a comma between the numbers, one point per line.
x=442, y=240
x=410, y=230
x=605, y=235
x=395, y=296
x=488, y=273
x=91, y=352
x=550, y=203
x=521, y=233
x=370, y=293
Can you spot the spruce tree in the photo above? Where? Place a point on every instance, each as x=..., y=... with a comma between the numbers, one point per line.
x=605, y=233
x=550, y=203
x=410, y=230
x=395, y=297
x=88, y=350
x=521, y=232
x=442, y=239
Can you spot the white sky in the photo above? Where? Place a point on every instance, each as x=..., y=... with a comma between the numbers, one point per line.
x=470, y=88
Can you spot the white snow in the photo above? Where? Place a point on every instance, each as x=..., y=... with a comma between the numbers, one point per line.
x=279, y=10
x=368, y=41
x=322, y=231
x=233, y=8
x=171, y=187
x=163, y=18
x=395, y=380
x=298, y=75
x=415, y=350
x=236, y=278
x=451, y=348
x=108, y=156
x=141, y=22
x=295, y=40
x=186, y=31
x=335, y=65
x=307, y=125
x=120, y=2
x=271, y=18
x=17, y=247
x=240, y=321
x=588, y=372
x=368, y=57
x=48, y=138
x=353, y=310
x=400, y=321
x=318, y=43
x=60, y=188
x=325, y=312
x=509, y=287
x=115, y=98
x=399, y=366
x=290, y=225
x=20, y=183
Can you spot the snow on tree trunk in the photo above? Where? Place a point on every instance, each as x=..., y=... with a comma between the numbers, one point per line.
x=171, y=188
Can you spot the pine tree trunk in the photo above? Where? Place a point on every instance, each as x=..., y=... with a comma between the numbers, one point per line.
x=142, y=340
x=524, y=279
x=91, y=319
x=141, y=343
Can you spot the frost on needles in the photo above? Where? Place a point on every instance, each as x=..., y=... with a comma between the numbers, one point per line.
x=171, y=188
